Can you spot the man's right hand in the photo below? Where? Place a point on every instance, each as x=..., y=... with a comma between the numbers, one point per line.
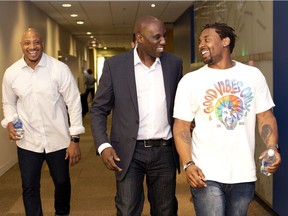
x=195, y=177
x=109, y=157
x=11, y=132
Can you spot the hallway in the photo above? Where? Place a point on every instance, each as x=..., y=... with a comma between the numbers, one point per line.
x=93, y=188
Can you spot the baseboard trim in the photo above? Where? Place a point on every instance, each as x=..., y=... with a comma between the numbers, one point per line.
x=265, y=205
x=6, y=166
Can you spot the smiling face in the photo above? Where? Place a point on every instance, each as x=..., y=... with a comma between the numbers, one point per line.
x=211, y=47
x=151, y=38
x=32, y=47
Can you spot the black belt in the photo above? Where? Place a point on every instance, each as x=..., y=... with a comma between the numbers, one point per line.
x=155, y=143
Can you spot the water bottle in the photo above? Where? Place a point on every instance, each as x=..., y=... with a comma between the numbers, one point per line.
x=268, y=160
x=18, y=126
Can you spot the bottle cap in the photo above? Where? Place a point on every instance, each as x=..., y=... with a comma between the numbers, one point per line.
x=15, y=116
x=271, y=152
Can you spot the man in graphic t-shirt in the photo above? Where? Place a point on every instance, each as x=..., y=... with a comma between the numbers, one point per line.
x=226, y=98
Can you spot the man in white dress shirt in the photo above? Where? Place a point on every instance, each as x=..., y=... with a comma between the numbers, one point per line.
x=39, y=89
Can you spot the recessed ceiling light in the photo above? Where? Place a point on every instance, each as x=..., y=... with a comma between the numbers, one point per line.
x=91, y=36
x=88, y=33
x=80, y=22
x=153, y=5
x=74, y=15
x=66, y=5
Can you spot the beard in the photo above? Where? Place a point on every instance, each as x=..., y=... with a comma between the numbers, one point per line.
x=208, y=60
x=32, y=59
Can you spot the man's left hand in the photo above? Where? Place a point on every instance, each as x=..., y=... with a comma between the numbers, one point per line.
x=73, y=152
x=276, y=165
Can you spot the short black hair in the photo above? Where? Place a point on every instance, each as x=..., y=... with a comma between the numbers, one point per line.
x=223, y=30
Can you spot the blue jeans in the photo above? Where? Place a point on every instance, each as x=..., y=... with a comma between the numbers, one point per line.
x=158, y=165
x=219, y=199
x=30, y=164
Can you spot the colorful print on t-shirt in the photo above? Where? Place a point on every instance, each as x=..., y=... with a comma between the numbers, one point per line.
x=229, y=100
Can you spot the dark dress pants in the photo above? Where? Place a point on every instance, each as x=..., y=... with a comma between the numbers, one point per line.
x=157, y=164
x=30, y=164
x=91, y=91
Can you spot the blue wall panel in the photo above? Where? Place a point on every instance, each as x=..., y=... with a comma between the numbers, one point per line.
x=192, y=51
x=280, y=92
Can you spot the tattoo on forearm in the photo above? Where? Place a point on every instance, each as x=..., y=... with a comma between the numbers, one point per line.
x=266, y=133
x=186, y=137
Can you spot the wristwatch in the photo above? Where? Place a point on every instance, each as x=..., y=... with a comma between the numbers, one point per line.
x=75, y=139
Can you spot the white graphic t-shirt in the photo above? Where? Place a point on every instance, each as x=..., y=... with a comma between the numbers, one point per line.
x=224, y=104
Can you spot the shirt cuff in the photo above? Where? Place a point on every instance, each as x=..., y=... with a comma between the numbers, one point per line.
x=4, y=123
x=76, y=130
x=103, y=146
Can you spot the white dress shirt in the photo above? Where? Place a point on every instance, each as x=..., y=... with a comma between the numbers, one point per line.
x=151, y=98
x=42, y=97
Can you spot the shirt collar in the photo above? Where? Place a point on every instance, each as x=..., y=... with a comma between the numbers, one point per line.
x=137, y=59
x=42, y=62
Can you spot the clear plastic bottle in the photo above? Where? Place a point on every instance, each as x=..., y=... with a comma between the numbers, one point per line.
x=268, y=160
x=18, y=125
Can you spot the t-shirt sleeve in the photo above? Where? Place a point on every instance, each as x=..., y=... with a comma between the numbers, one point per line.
x=264, y=99
x=183, y=102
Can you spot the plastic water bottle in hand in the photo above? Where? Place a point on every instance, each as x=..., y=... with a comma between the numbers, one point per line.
x=267, y=161
x=18, y=126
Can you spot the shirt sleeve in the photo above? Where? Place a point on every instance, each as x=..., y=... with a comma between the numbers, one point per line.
x=9, y=98
x=263, y=96
x=71, y=95
x=102, y=147
x=183, y=103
